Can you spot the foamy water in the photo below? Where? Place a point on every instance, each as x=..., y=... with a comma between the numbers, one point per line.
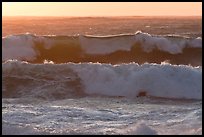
x=135, y=77
x=100, y=115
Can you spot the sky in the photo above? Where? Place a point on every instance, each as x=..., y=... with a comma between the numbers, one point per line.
x=101, y=8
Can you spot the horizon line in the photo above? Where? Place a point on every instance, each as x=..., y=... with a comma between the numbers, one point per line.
x=105, y=16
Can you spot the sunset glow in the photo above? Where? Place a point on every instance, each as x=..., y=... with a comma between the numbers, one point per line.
x=102, y=9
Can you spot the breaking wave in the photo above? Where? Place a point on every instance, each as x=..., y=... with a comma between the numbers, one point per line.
x=124, y=48
x=59, y=81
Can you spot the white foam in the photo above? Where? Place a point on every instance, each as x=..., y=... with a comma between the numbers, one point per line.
x=149, y=43
x=196, y=43
x=106, y=45
x=165, y=80
x=128, y=80
x=17, y=130
x=141, y=129
x=18, y=47
x=22, y=47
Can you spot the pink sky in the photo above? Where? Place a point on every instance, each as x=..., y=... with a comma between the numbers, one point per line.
x=102, y=8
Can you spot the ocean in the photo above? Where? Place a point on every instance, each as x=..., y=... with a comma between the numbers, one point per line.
x=102, y=75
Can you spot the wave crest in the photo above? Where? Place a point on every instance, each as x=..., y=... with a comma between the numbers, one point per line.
x=131, y=80
x=139, y=47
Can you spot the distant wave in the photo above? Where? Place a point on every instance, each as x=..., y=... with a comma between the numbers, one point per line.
x=139, y=47
x=59, y=81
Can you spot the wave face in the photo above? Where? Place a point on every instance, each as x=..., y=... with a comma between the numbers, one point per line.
x=59, y=81
x=139, y=47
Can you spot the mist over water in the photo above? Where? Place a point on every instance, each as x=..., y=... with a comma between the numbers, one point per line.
x=115, y=75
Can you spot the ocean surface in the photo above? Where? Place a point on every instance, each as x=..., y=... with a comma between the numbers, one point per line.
x=102, y=75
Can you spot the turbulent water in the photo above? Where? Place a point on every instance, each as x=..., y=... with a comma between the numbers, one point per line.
x=140, y=48
x=119, y=75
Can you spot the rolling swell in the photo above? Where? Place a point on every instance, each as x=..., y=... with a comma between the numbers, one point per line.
x=124, y=48
x=60, y=81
